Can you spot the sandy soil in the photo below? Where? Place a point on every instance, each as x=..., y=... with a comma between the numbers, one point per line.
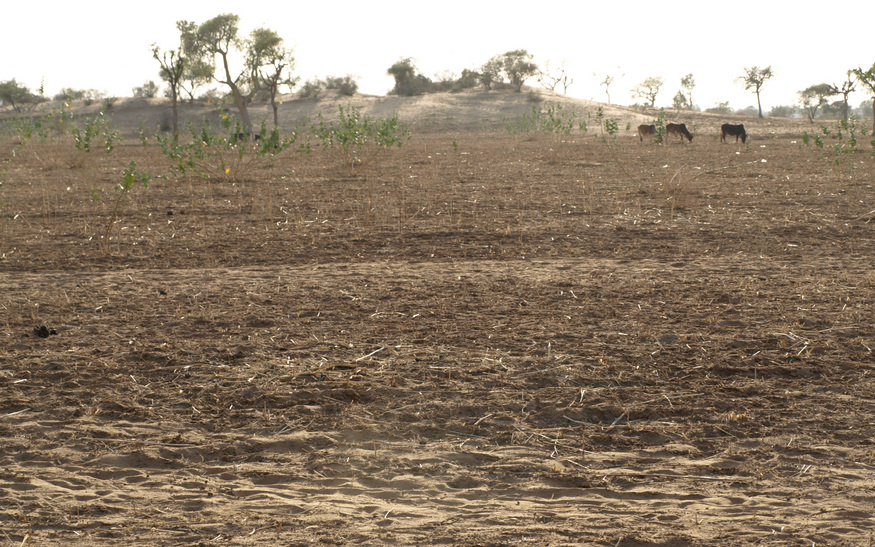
x=485, y=338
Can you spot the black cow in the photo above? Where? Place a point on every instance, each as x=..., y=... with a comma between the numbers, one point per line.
x=646, y=131
x=679, y=129
x=733, y=131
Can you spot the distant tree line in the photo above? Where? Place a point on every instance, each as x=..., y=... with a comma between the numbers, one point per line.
x=208, y=51
x=510, y=69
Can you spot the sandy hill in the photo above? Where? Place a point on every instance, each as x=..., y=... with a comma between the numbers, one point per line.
x=461, y=111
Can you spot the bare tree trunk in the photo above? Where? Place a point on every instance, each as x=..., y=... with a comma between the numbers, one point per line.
x=175, y=111
x=759, y=105
x=239, y=100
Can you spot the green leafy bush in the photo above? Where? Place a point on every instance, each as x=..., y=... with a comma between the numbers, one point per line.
x=227, y=151
x=357, y=138
x=48, y=136
x=130, y=176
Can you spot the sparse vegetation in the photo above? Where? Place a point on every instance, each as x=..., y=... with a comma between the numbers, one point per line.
x=551, y=78
x=408, y=80
x=47, y=136
x=847, y=87
x=754, y=78
x=311, y=89
x=516, y=66
x=648, y=90
x=227, y=152
x=16, y=95
x=720, y=108
x=556, y=121
x=847, y=137
x=659, y=123
x=813, y=97
x=358, y=139
x=688, y=83
x=782, y=111
x=96, y=128
x=606, y=82
x=148, y=90
x=512, y=69
x=173, y=70
x=217, y=42
x=87, y=96
x=464, y=308
x=346, y=85
x=867, y=78
x=130, y=176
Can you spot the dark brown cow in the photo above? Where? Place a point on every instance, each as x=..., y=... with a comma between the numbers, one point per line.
x=646, y=131
x=679, y=129
x=733, y=131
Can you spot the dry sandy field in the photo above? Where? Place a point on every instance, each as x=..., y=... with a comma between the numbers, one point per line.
x=484, y=337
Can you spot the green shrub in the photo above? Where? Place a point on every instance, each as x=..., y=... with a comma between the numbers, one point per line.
x=47, y=136
x=129, y=176
x=346, y=85
x=227, y=152
x=358, y=139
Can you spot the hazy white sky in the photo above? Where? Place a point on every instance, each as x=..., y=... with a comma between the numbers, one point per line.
x=106, y=45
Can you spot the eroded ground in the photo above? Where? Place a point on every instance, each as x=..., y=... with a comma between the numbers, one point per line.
x=485, y=338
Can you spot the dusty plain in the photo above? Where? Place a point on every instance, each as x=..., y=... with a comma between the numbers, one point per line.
x=485, y=337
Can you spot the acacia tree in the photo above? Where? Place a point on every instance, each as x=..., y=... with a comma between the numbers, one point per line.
x=197, y=70
x=265, y=51
x=408, y=80
x=608, y=80
x=276, y=74
x=217, y=40
x=15, y=94
x=517, y=66
x=550, y=79
x=867, y=78
x=490, y=72
x=172, y=70
x=687, y=84
x=813, y=97
x=648, y=90
x=754, y=78
x=848, y=86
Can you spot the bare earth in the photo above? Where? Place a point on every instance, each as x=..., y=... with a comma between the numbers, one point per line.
x=485, y=338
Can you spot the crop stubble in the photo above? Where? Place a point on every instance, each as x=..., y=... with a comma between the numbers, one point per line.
x=480, y=343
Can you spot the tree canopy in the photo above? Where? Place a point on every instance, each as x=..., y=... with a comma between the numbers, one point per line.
x=754, y=78
x=408, y=80
x=15, y=94
x=217, y=42
x=813, y=97
x=867, y=78
x=648, y=90
x=517, y=67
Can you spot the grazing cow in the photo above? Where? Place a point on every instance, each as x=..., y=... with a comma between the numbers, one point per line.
x=733, y=131
x=646, y=131
x=679, y=129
